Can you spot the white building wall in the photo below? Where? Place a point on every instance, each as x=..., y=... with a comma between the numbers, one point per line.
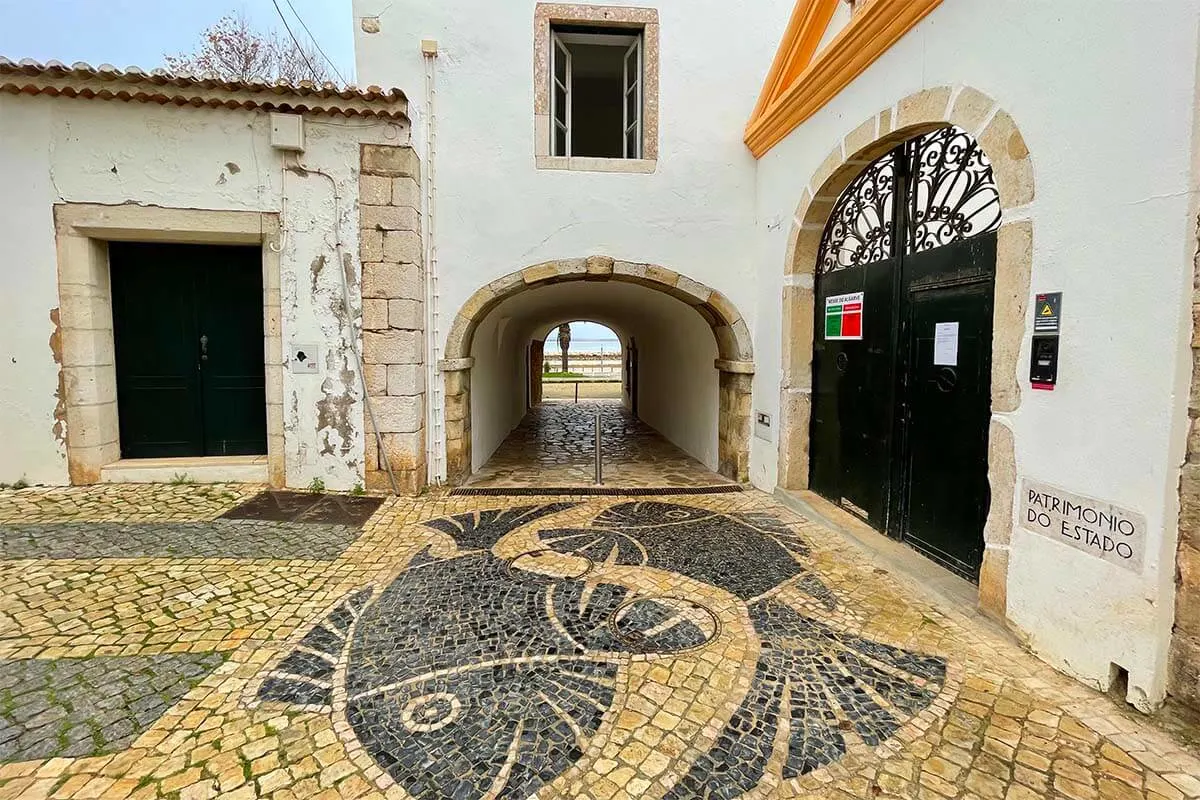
x=497, y=386
x=80, y=151
x=1103, y=95
x=497, y=213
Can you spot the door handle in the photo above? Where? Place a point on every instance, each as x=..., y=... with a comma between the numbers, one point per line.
x=204, y=347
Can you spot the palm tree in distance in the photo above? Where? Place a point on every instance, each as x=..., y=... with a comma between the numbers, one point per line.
x=564, y=342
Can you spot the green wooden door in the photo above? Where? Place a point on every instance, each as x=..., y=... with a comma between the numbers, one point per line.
x=230, y=320
x=188, y=329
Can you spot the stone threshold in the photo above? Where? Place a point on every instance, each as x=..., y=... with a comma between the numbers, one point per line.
x=201, y=469
x=944, y=588
x=588, y=491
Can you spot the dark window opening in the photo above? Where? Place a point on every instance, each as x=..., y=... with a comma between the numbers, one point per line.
x=596, y=92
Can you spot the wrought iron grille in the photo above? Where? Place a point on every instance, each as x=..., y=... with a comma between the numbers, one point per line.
x=951, y=191
x=860, y=229
x=949, y=195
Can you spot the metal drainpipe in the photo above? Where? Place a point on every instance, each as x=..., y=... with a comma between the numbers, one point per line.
x=435, y=413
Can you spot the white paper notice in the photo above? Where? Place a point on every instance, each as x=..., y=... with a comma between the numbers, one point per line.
x=945, y=344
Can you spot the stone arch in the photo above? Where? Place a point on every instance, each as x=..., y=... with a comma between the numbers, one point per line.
x=735, y=350
x=998, y=135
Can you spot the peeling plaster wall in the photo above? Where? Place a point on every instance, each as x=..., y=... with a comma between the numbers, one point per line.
x=1110, y=230
x=30, y=346
x=63, y=150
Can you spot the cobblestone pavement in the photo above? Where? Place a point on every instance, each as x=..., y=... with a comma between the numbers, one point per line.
x=554, y=445
x=471, y=647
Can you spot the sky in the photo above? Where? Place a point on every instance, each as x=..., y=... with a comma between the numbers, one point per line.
x=585, y=337
x=138, y=33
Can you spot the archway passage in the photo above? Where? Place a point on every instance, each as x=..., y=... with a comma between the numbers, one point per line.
x=578, y=371
x=902, y=346
x=681, y=416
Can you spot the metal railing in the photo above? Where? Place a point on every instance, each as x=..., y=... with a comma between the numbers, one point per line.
x=577, y=381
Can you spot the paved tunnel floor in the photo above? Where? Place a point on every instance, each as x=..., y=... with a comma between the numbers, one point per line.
x=175, y=642
x=554, y=445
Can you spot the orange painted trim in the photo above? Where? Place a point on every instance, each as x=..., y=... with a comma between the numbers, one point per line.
x=809, y=20
x=868, y=35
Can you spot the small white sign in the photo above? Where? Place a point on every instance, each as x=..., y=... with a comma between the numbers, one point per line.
x=762, y=425
x=1101, y=529
x=945, y=344
x=303, y=360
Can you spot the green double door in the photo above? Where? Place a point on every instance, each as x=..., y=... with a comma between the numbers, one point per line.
x=188, y=330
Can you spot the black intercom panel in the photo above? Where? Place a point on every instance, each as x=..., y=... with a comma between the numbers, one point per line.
x=1043, y=362
x=1043, y=354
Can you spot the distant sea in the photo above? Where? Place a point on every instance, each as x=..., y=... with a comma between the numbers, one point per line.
x=585, y=345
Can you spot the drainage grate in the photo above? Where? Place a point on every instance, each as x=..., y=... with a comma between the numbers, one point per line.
x=282, y=506
x=606, y=491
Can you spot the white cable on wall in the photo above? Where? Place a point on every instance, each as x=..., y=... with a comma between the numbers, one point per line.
x=435, y=442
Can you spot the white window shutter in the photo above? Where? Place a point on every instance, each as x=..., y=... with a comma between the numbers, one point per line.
x=560, y=97
x=631, y=134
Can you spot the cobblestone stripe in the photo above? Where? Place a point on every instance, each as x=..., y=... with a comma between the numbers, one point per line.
x=89, y=706
x=222, y=538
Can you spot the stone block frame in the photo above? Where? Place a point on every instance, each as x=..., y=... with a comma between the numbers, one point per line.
x=1183, y=671
x=393, y=321
x=735, y=350
x=546, y=14
x=83, y=343
x=998, y=135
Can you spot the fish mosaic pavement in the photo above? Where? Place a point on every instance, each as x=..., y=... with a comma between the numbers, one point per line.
x=678, y=647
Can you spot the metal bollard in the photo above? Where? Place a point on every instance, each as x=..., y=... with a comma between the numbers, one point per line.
x=599, y=468
x=576, y=391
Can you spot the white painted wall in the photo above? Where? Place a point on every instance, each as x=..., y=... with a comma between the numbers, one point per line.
x=497, y=385
x=840, y=19
x=498, y=214
x=678, y=391
x=64, y=150
x=1103, y=93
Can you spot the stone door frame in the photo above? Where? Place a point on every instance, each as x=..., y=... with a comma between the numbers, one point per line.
x=998, y=135
x=84, y=345
x=735, y=350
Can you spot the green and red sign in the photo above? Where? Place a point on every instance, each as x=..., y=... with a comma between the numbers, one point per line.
x=844, y=316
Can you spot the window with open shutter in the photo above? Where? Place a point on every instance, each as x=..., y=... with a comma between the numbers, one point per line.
x=596, y=89
x=632, y=85
x=560, y=98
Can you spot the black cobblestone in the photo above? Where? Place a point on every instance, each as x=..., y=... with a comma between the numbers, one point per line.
x=89, y=706
x=222, y=538
x=471, y=673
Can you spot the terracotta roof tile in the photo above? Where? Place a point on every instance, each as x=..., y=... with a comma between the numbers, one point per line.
x=107, y=82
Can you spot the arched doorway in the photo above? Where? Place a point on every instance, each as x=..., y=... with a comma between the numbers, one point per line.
x=716, y=322
x=586, y=365
x=902, y=346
